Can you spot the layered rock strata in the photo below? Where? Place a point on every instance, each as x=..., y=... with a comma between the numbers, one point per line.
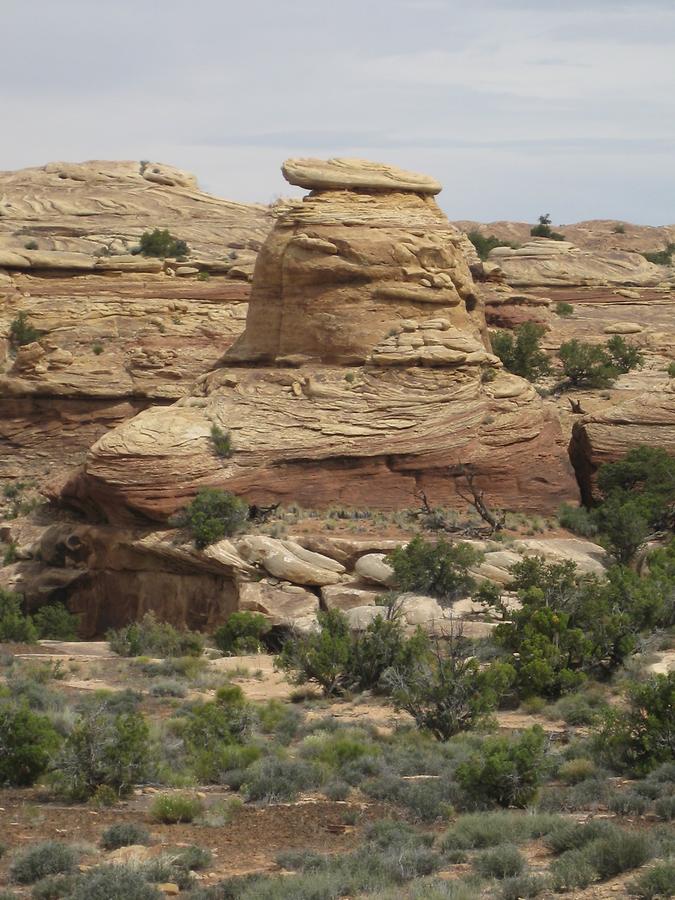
x=647, y=419
x=543, y=262
x=363, y=374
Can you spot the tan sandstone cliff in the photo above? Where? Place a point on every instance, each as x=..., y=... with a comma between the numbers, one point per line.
x=364, y=372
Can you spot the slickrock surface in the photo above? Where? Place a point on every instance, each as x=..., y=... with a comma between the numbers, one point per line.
x=75, y=212
x=364, y=373
x=542, y=262
x=598, y=235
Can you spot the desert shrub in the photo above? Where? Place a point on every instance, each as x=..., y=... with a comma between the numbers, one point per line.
x=523, y=887
x=170, y=809
x=568, y=625
x=336, y=790
x=161, y=243
x=639, y=738
x=54, y=622
x=280, y=719
x=213, y=731
x=656, y=883
x=578, y=520
x=242, y=633
x=623, y=526
x=617, y=852
x=520, y=351
x=485, y=243
x=638, y=496
x=187, y=667
x=628, y=803
x=671, y=369
x=164, y=868
x=321, y=657
x=274, y=779
x=564, y=310
x=506, y=771
x=575, y=770
x=664, y=808
x=426, y=800
x=27, y=743
x=439, y=570
x=152, y=637
x=566, y=835
x=222, y=442
x=41, y=860
x=383, y=647
x=503, y=861
x=337, y=749
x=54, y=887
x=572, y=871
x=543, y=229
x=474, y=831
x=581, y=708
x=587, y=365
x=223, y=763
x=123, y=834
x=213, y=515
x=15, y=627
x=106, y=882
x=661, y=257
x=167, y=687
x=624, y=356
x=448, y=691
x=20, y=332
x=103, y=748
x=591, y=793
x=192, y=857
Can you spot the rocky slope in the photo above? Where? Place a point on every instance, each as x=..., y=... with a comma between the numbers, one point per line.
x=364, y=373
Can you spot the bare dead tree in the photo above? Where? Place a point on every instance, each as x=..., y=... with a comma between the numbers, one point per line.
x=475, y=497
x=261, y=514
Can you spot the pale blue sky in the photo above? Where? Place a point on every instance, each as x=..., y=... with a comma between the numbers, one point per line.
x=516, y=106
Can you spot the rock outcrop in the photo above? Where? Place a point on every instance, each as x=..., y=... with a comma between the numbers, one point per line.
x=114, y=332
x=364, y=372
x=89, y=216
x=543, y=262
x=647, y=419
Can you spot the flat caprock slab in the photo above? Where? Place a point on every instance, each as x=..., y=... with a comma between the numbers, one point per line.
x=356, y=174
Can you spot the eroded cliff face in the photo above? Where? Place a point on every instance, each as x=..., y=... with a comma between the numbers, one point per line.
x=363, y=374
x=115, y=332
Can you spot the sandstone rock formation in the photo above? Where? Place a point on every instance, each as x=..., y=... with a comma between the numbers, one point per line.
x=645, y=419
x=364, y=373
x=116, y=332
x=88, y=216
x=542, y=262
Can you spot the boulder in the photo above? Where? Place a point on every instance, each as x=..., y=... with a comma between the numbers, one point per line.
x=360, y=617
x=348, y=596
x=282, y=604
x=417, y=609
x=589, y=558
x=372, y=567
x=623, y=328
x=283, y=563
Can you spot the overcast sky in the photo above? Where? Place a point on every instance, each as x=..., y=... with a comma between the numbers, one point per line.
x=517, y=106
